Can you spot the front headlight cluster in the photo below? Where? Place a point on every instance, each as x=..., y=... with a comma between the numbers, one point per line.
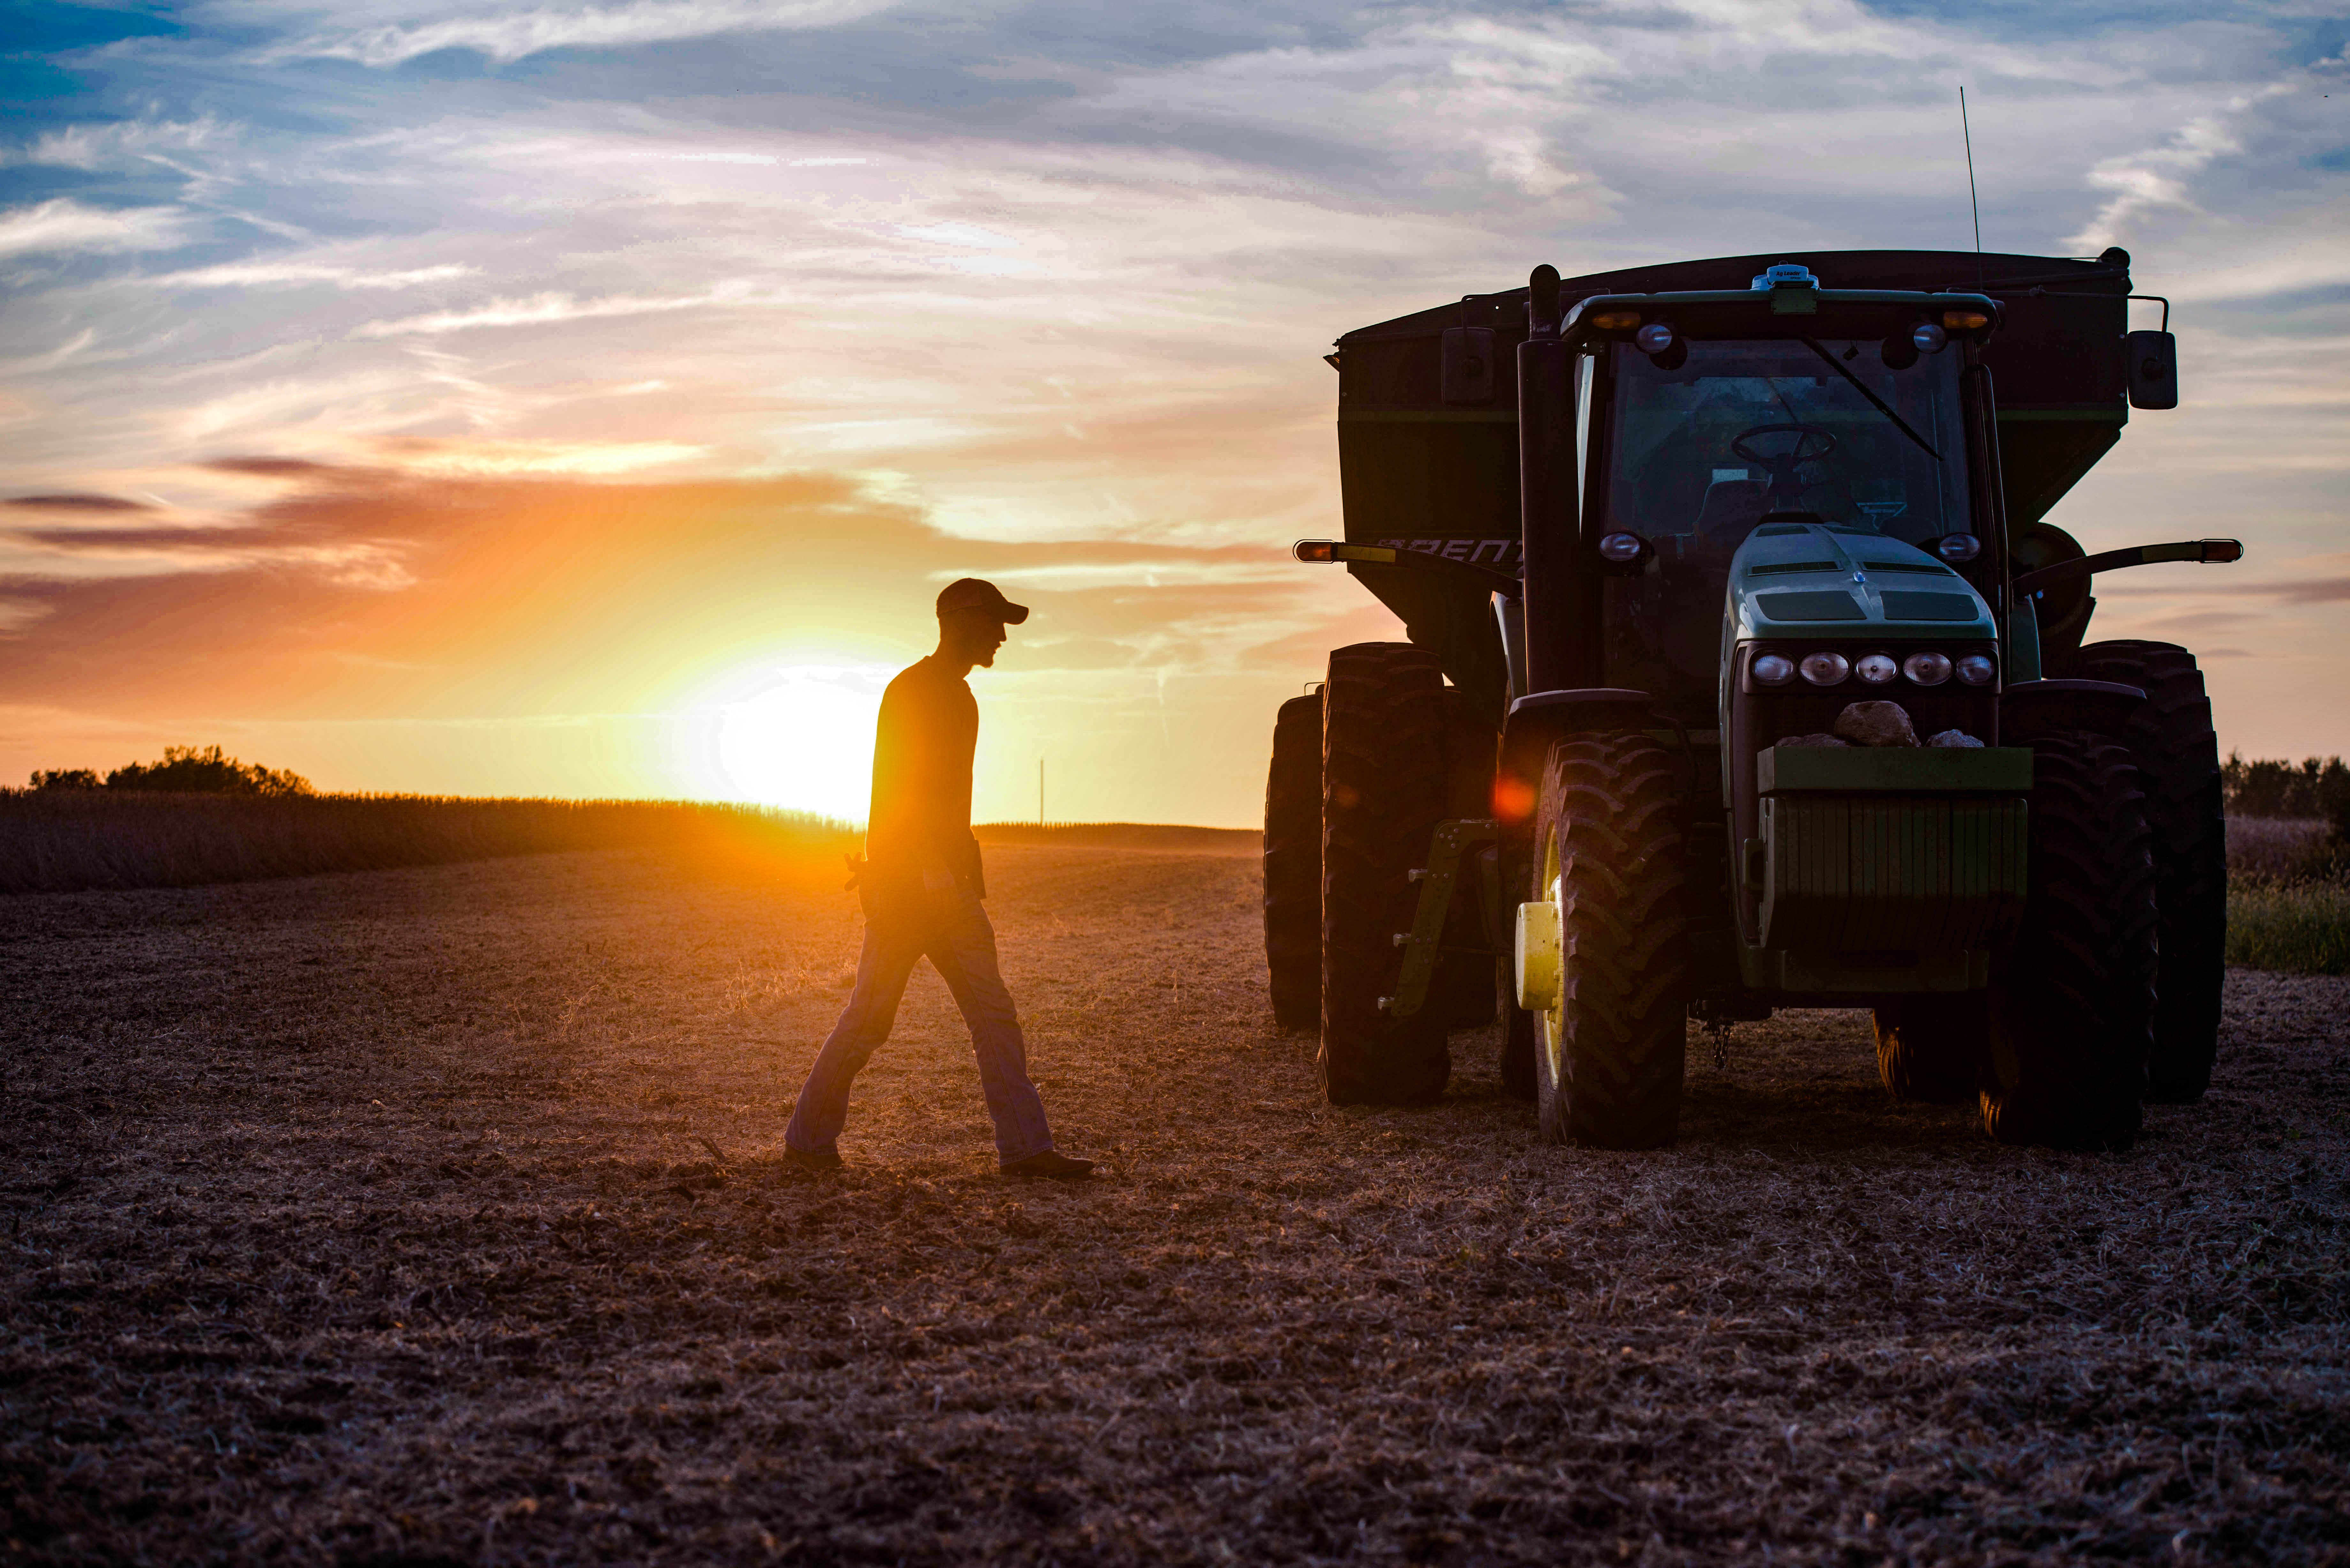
x=1926, y=668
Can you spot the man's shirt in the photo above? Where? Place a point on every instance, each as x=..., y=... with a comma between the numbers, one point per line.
x=920, y=817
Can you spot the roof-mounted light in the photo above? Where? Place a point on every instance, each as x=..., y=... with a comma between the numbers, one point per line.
x=1615, y=320
x=1786, y=275
x=1965, y=320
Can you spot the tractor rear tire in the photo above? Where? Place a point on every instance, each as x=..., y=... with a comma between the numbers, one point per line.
x=2178, y=765
x=1609, y=847
x=1934, y=1050
x=2073, y=1012
x=1383, y=779
x=1293, y=864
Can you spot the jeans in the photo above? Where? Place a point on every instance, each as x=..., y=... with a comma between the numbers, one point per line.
x=952, y=930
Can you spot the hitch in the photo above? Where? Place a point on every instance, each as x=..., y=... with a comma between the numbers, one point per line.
x=1424, y=943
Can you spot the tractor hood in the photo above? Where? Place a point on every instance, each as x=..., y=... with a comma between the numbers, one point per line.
x=1824, y=581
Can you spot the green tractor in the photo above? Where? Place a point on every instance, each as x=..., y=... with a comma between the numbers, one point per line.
x=1745, y=672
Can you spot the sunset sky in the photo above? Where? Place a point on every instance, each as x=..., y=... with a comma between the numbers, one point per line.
x=590, y=399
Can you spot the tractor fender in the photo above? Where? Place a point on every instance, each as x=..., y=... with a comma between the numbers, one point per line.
x=1539, y=718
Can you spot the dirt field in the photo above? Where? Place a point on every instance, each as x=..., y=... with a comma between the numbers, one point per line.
x=432, y=1216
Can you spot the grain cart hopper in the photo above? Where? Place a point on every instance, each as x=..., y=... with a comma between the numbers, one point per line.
x=1745, y=671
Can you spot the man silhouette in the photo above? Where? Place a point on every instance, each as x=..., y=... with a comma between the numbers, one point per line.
x=921, y=884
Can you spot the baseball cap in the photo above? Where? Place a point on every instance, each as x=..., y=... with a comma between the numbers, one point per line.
x=977, y=594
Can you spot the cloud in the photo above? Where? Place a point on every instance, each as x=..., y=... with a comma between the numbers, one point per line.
x=518, y=33
x=76, y=503
x=257, y=275
x=584, y=460
x=64, y=224
x=2307, y=591
x=272, y=467
x=2147, y=181
x=548, y=310
x=94, y=146
x=770, y=159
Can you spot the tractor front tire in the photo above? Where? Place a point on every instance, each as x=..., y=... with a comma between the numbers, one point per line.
x=2073, y=1013
x=2179, y=766
x=1293, y=864
x=1383, y=783
x=1609, y=843
x=1934, y=1050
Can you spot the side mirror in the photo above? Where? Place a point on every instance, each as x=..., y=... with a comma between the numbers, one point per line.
x=2153, y=360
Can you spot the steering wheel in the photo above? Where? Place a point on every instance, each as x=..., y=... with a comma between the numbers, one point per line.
x=1786, y=493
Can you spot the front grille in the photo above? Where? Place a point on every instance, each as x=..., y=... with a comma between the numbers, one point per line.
x=1932, y=708
x=1766, y=715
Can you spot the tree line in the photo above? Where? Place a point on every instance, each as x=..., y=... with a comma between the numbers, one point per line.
x=184, y=770
x=2309, y=789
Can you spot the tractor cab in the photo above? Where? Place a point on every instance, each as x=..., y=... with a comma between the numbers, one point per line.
x=1701, y=418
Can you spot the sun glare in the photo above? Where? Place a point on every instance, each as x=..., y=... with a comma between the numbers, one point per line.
x=800, y=737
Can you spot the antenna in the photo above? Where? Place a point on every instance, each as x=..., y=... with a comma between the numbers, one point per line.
x=1973, y=201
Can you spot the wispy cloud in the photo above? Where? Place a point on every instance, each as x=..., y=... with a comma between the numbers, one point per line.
x=64, y=224
x=518, y=33
x=99, y=146
x=2159, y=177
x=265, y=275
x=578, y=460
x=547, y=309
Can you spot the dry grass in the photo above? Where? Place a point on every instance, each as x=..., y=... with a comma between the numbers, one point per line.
x=2289, y=897
x=2275, y=848
x=432, y=1216
x=67, y=840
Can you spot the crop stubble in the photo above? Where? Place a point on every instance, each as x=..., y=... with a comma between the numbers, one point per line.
x=434, y=1216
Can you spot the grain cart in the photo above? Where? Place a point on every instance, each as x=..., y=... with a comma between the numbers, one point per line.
x=1744, y=671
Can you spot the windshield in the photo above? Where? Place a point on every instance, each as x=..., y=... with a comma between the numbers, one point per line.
x=1696, y=454
x=1700, y=452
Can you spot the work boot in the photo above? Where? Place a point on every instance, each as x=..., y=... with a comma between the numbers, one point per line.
x=812, y=1159
x=1049, y=1163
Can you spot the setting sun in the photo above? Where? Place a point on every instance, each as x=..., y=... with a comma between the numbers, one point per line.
x=798, y=736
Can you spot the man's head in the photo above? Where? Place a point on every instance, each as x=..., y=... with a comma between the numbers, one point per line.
x=971, y=617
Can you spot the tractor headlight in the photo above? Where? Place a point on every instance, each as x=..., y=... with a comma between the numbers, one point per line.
x=1654, y=339
x=1877, y=668
x=1826, y=669
x=1929, y=338
x=1975, y=670
x=1927, y=668
x=1772, y=670
x=1622, y=548
x=1957, y=548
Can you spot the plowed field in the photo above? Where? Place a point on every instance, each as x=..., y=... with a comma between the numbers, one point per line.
x=434, y=1216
